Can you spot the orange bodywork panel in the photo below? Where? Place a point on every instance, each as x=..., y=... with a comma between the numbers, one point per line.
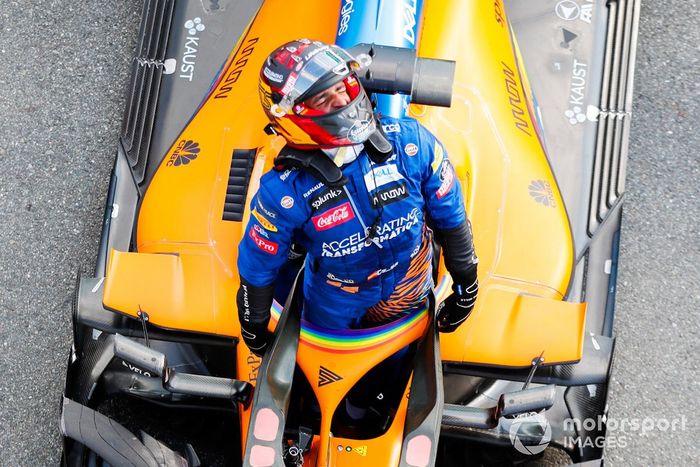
x=521, y=229
x=181, y=212
x=184, y=274
x=511, y=329
x=178, y=288
x=316, y=351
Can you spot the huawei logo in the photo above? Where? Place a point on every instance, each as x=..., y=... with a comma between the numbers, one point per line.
x=185, y=152
x=541, y=192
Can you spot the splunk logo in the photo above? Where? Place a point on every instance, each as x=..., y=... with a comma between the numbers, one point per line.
x=189, y=55
x=185, y=152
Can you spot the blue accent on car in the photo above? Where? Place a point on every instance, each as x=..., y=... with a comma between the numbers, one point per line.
x=393, y=23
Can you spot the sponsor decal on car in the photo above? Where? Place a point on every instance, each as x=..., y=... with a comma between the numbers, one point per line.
x=411, y=149
x=447, y=175
x=185, y=152
x=389, y=195
x=333, y=217
x=263, y=222
x=517, y=105
x=576, y=114
x=541, y=191
x=287, y=202
x=236, y=69
x=265, y=245
x=326, y=197
x=345, y=12
x=382, y=175
x=409, y=18
x=189, y=55
x=568, y=10
x=498, y=13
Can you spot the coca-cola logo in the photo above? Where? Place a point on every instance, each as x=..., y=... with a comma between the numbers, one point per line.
x=333, y=217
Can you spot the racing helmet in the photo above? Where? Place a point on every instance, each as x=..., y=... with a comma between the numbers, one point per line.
x=297, y=71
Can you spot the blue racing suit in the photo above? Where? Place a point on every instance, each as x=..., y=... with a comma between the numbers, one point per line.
x=367, y=243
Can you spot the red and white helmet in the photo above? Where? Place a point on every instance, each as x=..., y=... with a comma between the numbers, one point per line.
x=301, y=69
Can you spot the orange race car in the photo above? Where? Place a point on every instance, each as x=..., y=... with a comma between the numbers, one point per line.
x=542, y=180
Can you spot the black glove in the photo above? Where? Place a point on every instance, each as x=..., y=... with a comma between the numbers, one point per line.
x=457, y=307
x=254, y=314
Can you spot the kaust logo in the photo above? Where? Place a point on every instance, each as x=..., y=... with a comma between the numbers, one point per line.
x=189, y=55
x=333, y=217
x=185, y=152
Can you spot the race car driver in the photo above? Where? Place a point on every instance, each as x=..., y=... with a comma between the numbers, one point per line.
x=356, y=193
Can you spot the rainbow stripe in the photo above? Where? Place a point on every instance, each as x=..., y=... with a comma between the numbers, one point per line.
x=353, y=340
x=443, y=288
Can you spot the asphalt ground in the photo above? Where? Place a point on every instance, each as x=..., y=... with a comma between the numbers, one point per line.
x=64, y=68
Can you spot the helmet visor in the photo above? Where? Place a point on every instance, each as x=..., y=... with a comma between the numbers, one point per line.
x=328, y=65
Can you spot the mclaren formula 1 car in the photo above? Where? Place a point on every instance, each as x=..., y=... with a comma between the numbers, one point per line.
x=530, y=99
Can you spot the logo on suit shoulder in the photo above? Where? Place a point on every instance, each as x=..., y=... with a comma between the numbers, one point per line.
x=260, y=231
x=333, y=217
x=265, y=245
x=264, y=222
x=411, y=149
x=287, y=202
x=447, y=175
x=439, y=156
x=266, y=211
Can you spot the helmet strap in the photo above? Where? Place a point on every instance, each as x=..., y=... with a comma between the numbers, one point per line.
x=378, y=146
x=315, y=162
